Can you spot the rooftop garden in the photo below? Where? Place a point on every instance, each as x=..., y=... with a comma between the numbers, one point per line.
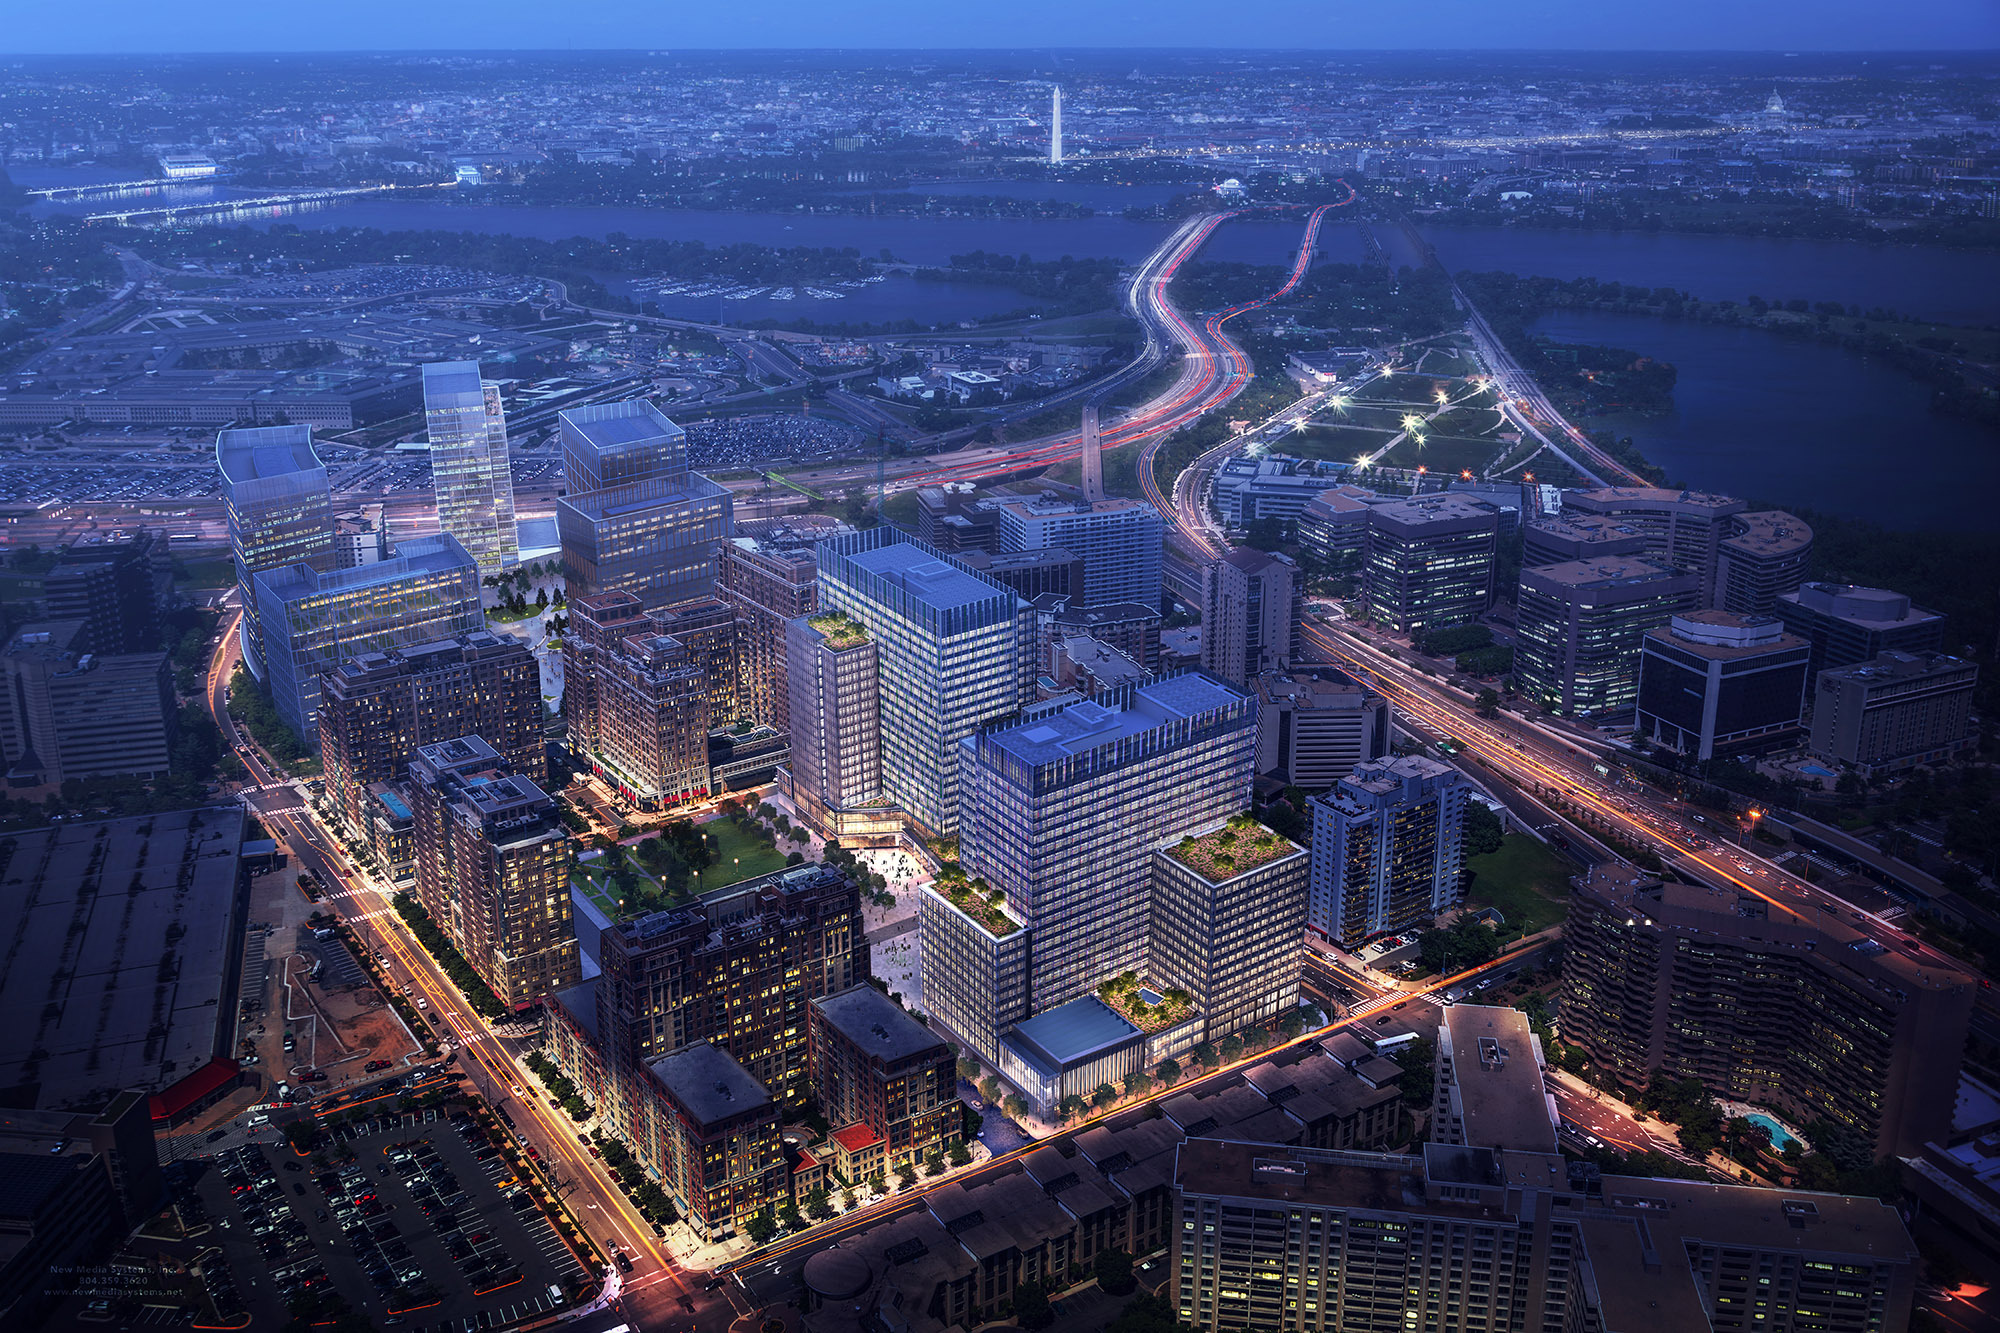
x=839, y=629
x=1238, y=847
x=1145, y=1007
x=978, y=900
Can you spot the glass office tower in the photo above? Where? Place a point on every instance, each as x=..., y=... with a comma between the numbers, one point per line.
x=312, y=621
x=635, y=519
x=1061, y=812
x=469, y=471
x=280, y=513
x=953, y=649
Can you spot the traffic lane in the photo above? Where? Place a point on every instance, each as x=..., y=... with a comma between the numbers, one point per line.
x=1614, y=1128
x=495, y=1085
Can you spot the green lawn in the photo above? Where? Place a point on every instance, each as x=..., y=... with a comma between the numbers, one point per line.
x=1333, y=442
x=207, y=573
x=739, y=855
x=1443, y=453
x=901, y=509
x=1526, y=879
x=592, y=884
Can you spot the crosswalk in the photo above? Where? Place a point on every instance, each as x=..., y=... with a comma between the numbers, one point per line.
x=1367, y=1007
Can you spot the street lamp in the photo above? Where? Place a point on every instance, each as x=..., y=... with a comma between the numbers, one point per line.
x=1750, y=818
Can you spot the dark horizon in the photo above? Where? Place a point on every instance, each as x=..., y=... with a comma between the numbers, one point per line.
x=1170, y=25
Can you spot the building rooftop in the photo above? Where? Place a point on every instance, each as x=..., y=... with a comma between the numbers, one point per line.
x=930, y=579
x=433, y=553
x=1251, y=560
x=1460, y=512
x=1071, y=1032
x=1496, y=1068
x=453, y=379
x=616, y=428
x=263, y=452
x=838, y=629
x=636, y=496
x=1769, y=532
x=707, y=1081
x=1875, y=608
x=855, y=1137
x=1725, y=636
x=1112, y=717
x=1614, y=498
x=1281, y=1175
x=1582, y=526
x=117, y=990
x=1606, y=571
x=1234, y=848
x=877, y=1024
x=1325, y=689
x=1800, y=925
x=1895, y=666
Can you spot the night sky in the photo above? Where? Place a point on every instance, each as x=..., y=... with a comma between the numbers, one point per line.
x=142, y=26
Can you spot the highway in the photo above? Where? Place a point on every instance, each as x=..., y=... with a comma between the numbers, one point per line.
x=1213, y=369
x=1562, y=776
x=1229, y=368
x=1521, y=399
x=652, y=1295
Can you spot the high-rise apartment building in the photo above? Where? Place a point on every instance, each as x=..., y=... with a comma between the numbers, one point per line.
x=1761, y=557
x=1314, y=726
x=1475, y=1239
x=737, y=967
x=280, y=514
x=1332, y=529
x=467, y=430
x=706, y=628
x=876, y=1067
x=954, y=651
x=1119, y=542
x=770, y=580
x=833, y=676
x=1131, y=628
x=377, y=708
x=117, y=589
x=1042, y=572
x=1846, y=625
x=952, y=518
x=1228, y=912
x=1557, y=539
x=1848, y=1025
x=711, y=1131
x=312, y=620
x=1580, y=625
x=1250, y=614
x=1387, y=848
x=66, y=713
x=1060, y=813
x=653, y=720
x=492, y=860
x=597, y=625
x=634, y=518
x=1715, y=679
x=1895, y=712
x=1429, y=561
x=1683, y=529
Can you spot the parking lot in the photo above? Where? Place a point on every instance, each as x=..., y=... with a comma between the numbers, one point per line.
x=412, y=1217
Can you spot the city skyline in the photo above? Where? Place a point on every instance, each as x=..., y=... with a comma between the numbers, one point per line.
x=884, y=690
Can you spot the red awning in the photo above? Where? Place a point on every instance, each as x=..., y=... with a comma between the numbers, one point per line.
x=217, y=1073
